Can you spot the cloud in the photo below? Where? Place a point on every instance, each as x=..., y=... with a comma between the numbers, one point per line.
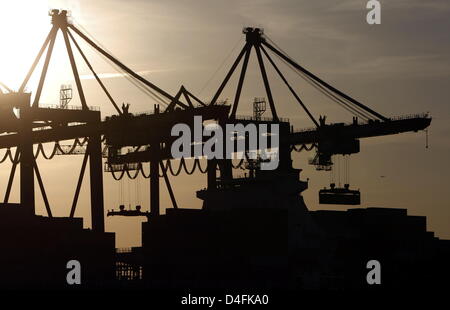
x=119, y=75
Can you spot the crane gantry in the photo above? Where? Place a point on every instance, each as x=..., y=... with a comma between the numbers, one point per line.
x=38, y=124
x=149, y=134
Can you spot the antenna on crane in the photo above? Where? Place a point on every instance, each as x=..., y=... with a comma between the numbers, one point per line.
x=253, y=164
x=65, y=95
x=259, y=107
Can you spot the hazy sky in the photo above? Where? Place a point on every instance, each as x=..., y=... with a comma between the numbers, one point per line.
x=399, y=67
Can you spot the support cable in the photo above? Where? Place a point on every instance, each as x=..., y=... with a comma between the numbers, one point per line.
x=289, y=86
x=121, y=65
x=120, y=70
x=352, y=109
x=355, y=110
x=94, y=73
x=303, y=147
x=139, y=86
x=221, y=65
x=143, y=173
x=8, y=155
x=325, y=84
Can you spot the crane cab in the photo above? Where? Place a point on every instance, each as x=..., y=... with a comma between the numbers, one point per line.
x=339, y=196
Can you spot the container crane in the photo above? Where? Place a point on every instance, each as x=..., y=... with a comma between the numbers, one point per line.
x=327, y=139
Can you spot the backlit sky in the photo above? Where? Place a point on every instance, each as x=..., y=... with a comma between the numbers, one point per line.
x=399, y=67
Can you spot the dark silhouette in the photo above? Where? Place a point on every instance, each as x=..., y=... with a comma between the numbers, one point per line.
x=252, y=232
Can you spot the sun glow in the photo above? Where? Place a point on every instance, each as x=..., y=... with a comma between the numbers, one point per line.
x=25, y=24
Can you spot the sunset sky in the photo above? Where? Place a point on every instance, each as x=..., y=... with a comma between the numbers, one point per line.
x=399, y=67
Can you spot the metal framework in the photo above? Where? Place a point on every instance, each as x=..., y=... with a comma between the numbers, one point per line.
x=149, y=135
x=63, y=124
x=338, y=138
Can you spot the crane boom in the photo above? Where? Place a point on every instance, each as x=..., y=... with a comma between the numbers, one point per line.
x=355, y=131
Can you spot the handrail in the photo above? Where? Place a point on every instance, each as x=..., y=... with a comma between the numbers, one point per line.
x=69, y=107
x=395, y=118
x=264, y=119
